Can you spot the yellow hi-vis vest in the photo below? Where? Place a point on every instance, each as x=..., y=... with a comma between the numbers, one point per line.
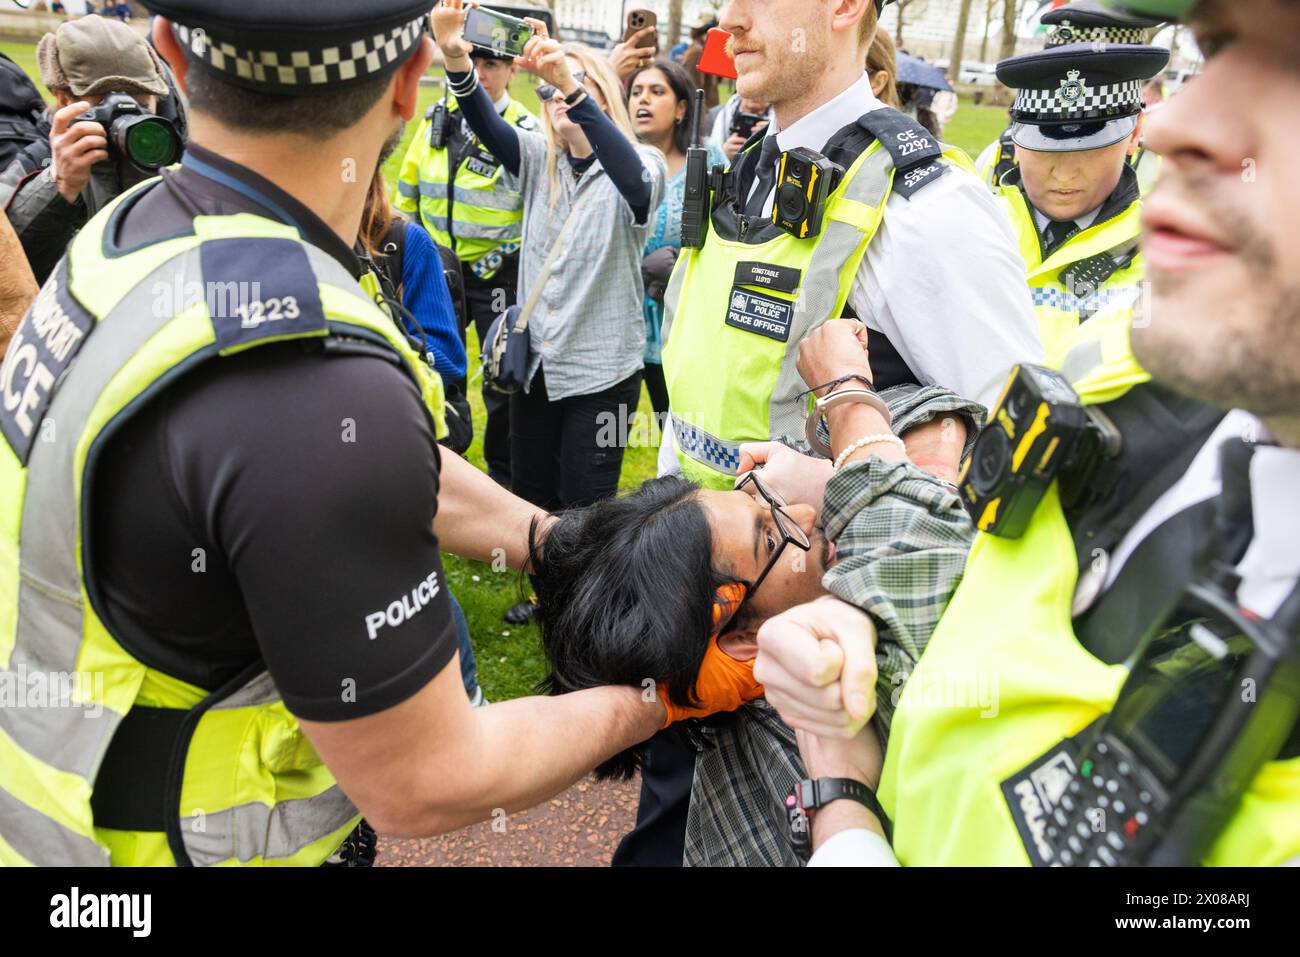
x=475, y=209
x=1058, y=305
x=1004, y=679
x=735, y=312
x=110, y=331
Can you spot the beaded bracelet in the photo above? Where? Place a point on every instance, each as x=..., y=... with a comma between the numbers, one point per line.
x=869, y=440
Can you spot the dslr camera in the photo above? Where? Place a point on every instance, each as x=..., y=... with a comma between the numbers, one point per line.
x=146, y=141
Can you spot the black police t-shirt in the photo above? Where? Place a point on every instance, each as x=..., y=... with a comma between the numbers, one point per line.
x=277, y=504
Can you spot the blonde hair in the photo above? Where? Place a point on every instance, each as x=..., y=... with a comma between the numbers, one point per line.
x=602, y=74
x=868, y=24
x=881, y=59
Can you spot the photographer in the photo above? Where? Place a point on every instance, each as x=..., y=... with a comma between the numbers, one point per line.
x=44, y=190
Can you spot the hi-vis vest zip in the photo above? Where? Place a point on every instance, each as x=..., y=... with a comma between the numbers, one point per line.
x=476, y=210
x=1004, y=679
x=735, y=312
x=110, y=330
x=1063, y=301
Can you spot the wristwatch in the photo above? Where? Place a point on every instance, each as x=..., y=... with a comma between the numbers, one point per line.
x=809, y=795
x=576, y=95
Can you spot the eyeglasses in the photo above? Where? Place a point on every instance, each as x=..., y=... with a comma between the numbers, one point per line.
x=548, y=90
x=790, y=531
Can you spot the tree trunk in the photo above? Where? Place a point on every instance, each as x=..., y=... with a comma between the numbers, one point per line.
x=1010, y=19
x=674, y=23
x=959, y=43
x=988, y=22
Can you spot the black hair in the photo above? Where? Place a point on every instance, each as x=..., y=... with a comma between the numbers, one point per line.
x=320, y=112
x=680, y=84
x=625, y=591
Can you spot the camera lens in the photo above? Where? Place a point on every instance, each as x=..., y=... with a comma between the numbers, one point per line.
x=148, y=141
x=791, y=203
x=990, y=460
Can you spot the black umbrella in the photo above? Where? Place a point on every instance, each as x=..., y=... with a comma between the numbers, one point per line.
x=919, y=73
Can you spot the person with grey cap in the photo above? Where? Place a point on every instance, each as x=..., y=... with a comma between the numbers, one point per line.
x=1072, y=198
x=222, y=456
x=44, y=188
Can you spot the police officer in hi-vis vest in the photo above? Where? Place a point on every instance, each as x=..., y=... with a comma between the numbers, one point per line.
x=220, y=580
x=1137, y=616
x=842, y=206
x=1084, y=21
x=471, y=204
x=1072, y=197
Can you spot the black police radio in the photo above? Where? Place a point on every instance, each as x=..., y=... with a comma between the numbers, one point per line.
x=440, y=123
x=1038, y=431
x=1213, y=697
x=695, y=203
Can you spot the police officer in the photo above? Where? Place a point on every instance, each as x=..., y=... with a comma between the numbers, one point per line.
x=1072, y=197
x=904, y=235
x=221, y=586
x=1084, y=21
x=1199, y=503
x=471, y=204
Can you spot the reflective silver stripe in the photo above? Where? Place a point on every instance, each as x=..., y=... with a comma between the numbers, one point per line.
x=44, y=841
x=409, y=190
x=705, y=447
x=259, y=691
x=503, y=234
x=1081, y=361
x=504, y=200
x=255, y=830
x=819, y=293
x=65, y=736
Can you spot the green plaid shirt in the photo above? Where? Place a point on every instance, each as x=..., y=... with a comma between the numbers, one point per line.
x=901, y=540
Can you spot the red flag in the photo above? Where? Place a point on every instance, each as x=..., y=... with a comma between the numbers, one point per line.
x=715, y=59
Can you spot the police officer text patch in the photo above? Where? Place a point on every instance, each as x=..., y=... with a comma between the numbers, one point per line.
x=49, y=338
x=755, y=312
x=260, y=289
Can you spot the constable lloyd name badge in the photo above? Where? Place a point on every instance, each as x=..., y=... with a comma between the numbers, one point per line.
x=759, y=313
x=42, y=349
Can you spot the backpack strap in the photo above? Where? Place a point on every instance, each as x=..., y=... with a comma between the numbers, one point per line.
x=392, y=254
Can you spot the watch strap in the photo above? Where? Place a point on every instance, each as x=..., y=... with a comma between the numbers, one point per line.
x=809, y=795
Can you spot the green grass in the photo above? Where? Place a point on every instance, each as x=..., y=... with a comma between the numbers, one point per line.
x=510, y=658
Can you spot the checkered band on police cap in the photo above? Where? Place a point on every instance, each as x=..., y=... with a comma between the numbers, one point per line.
x=303, y=67
x=1075, y=100
x=1062, y=33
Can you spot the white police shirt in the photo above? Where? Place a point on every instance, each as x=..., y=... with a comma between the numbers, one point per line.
x=1269, y=570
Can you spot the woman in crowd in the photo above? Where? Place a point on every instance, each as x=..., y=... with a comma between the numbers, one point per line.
x=587, y=331
x=660, y=104
x=583, y=176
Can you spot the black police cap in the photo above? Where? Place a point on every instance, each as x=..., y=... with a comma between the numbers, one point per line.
x=1079, y=96
x=297, y=46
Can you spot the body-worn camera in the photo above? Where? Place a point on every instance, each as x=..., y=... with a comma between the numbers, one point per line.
x=147, y=141
x=1038, y=431
x=804, y=182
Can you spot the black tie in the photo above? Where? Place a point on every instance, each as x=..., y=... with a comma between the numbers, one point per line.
x=1057, y=232
x=767, y=157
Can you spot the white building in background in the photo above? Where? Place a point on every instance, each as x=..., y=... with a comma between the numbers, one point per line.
x=608, y=16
